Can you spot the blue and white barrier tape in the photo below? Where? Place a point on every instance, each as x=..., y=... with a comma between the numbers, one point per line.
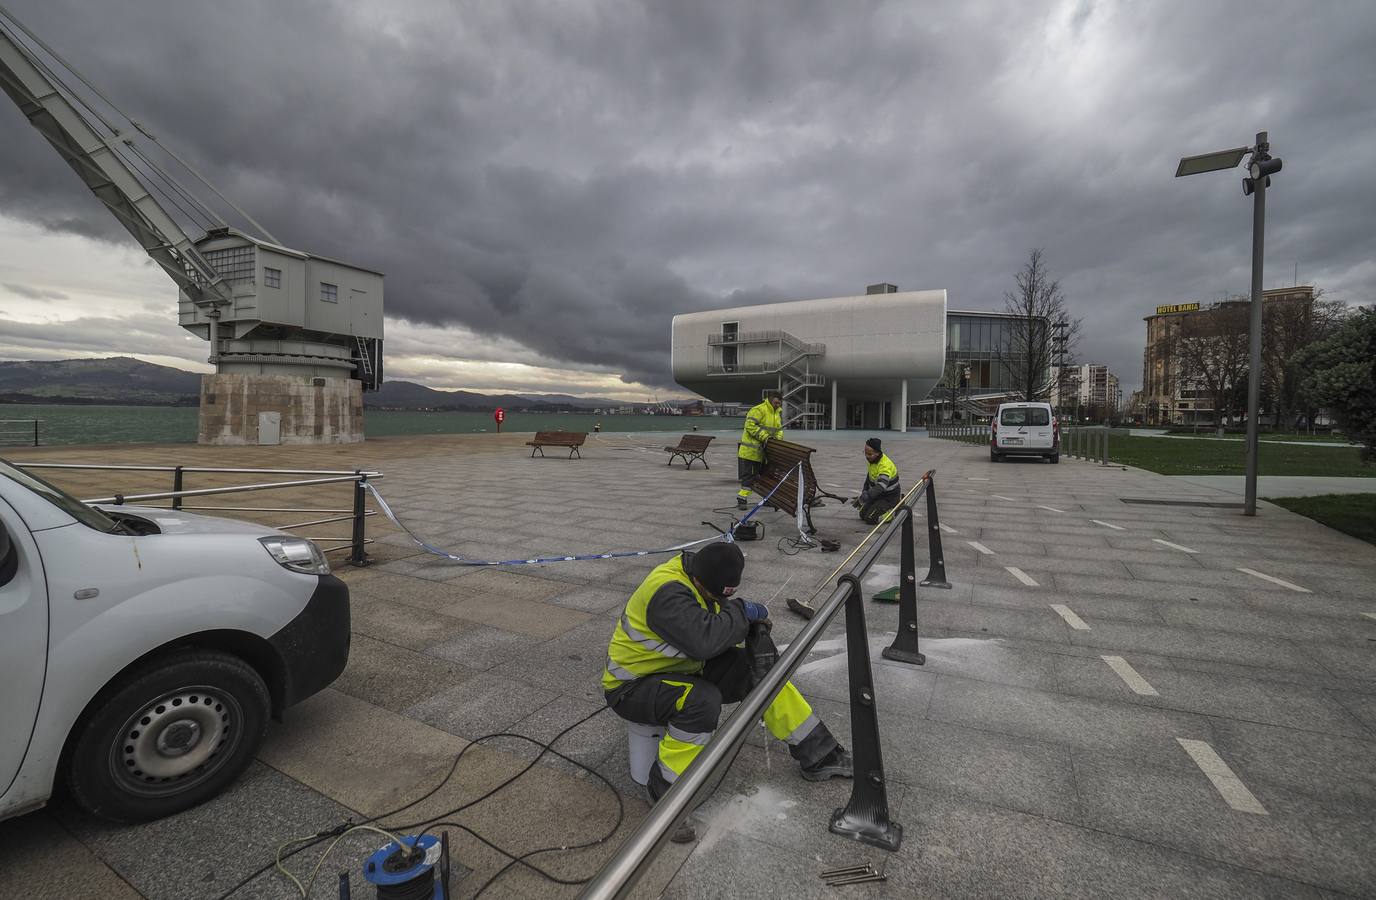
x=580, y=557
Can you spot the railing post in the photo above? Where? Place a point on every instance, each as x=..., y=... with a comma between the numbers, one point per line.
x=177, y=486
x=865, y=816
x=1105, y=460
x=904, y=646
x=357, y=556
x=936, y=567
x=35, y=432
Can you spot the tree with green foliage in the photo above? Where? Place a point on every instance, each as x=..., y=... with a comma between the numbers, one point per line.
x=1342, y=378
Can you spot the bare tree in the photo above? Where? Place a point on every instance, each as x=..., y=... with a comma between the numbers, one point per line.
x=952, y=379
x=1212, y=353
x=1025, y=352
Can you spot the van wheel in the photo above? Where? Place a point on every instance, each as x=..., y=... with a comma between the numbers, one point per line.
x=173, y=734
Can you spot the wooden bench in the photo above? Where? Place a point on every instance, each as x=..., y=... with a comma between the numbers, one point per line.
x=571, y=439
x=780, y=459
x=693, y=448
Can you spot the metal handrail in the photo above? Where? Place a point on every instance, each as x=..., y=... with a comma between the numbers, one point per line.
x=120, y=499
x=764, y=337
x=619, y=875
x=358, y=513
x=200, y=469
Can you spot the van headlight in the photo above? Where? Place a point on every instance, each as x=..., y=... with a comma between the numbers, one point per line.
x=297, y=554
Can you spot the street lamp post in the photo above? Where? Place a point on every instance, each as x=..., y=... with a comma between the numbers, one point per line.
x=1260, y=169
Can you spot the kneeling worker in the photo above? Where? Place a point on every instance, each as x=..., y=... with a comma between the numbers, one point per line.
x=881, y=492
x=674, y=660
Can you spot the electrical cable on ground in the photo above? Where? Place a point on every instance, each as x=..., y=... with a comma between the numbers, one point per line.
x=340, y=831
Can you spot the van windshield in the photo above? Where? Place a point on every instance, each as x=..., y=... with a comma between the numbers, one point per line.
x=1027, y=415
x=86, y=515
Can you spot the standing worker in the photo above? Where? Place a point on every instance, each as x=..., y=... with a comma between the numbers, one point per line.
x=674, y=660
x=881, y=492
x=762, y=424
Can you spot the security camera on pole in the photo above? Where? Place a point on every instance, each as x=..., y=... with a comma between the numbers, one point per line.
x=1261, y=167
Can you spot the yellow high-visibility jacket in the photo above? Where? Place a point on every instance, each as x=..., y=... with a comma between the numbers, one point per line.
x=762, y=423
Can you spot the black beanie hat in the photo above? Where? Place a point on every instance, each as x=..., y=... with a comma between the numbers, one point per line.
x=719, y=566
x=875, y=445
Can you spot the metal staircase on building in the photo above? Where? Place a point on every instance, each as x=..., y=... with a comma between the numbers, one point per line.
x=792, y=365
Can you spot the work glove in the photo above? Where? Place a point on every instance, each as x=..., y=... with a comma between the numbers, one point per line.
x=755, y=612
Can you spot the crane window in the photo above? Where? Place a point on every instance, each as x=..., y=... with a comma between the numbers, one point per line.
x=329, y=292
x=233, y=264
x=272, y=277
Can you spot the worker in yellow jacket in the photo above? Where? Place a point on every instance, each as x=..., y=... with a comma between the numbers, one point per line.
x=763, y=423
x=881, y=491
x=674, y=659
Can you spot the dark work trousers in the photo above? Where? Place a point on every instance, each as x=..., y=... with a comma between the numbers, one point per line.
x=724, y=679
x=747, y=470
x=874, y=510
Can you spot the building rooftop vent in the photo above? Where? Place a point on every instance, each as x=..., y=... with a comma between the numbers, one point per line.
x=882, y=287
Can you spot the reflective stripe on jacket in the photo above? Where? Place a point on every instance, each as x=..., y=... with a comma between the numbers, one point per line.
x=637, y=650
x=881, y=477
x=762, y=423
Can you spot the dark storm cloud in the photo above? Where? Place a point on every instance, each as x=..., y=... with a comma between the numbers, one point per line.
x=568, y=176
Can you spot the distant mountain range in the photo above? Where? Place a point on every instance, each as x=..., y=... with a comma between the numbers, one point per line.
x=120, y=379
x=125, y=380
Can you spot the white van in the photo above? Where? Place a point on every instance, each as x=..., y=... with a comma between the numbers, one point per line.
x=143, y=650
x=1025, y=429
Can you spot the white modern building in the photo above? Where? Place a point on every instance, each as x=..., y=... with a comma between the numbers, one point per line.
x=840, y=362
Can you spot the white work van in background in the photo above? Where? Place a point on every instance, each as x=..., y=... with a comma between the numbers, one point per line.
x=1025, y=429
x=143, y=650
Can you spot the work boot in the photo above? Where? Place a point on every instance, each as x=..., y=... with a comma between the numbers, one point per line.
x=741, y=503
x=836, y=764
x=684, y=832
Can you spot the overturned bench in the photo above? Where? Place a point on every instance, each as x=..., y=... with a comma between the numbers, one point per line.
x=781, y=457
x=692, y=448
x=571, y=439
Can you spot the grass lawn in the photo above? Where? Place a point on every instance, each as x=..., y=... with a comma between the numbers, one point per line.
x=1170, y=456
x=1353, y=514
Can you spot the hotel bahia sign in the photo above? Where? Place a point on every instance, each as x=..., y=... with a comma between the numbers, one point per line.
x=1176, y=308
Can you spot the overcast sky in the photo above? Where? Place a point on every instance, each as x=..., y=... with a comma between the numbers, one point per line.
x=546, y=183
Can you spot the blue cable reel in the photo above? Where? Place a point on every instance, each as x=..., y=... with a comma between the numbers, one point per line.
x=407, y=872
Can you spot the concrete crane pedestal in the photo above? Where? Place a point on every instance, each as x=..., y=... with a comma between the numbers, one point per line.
x=238, y=409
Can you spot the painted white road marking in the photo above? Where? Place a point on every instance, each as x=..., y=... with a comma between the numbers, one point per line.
x=1071, y=619
x=981, y=548
x=1370, y=615
x=1001, y=497
x=1228, y=784
x=1021, y=576
x=976, y=479
x=1174, y=546
x=1274, y=580
x=947, y=528
x=1129, y=674
x=1108, y=525
x=1052, y=508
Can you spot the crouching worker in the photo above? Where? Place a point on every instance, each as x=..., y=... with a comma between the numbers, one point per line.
x=881, y=492
x=674, y=661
